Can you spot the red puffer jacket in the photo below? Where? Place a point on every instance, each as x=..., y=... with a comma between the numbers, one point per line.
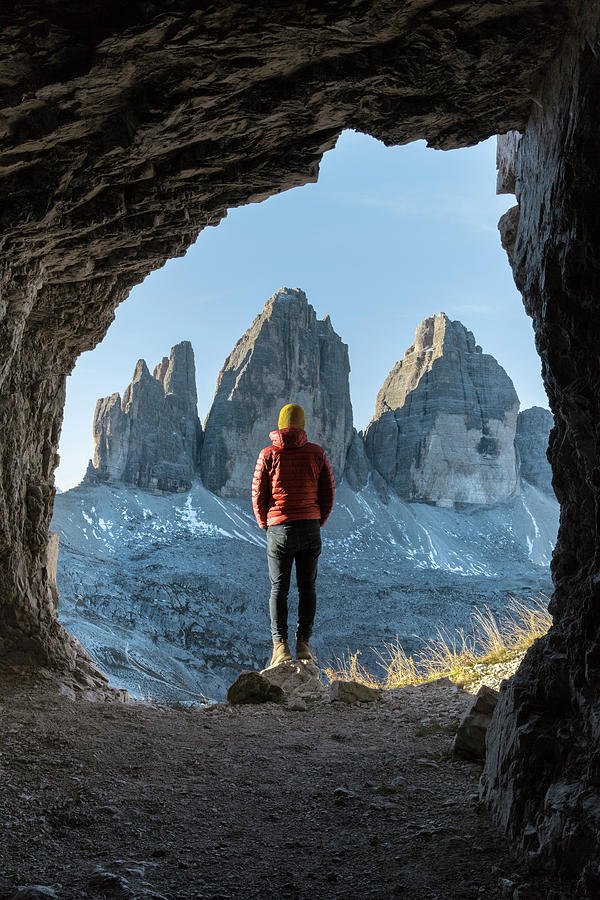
x=292, y=480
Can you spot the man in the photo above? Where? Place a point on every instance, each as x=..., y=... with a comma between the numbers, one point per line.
x=292, y=496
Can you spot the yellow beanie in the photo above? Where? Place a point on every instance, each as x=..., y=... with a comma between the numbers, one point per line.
x=292, y=414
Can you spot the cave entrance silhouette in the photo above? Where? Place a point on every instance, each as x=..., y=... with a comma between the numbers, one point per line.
x=127, y=131
x=276, y=235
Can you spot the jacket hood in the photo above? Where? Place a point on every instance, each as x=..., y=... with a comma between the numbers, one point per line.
x=288, y=437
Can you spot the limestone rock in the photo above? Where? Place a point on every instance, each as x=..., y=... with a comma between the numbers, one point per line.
x=251, y=687
x=506, y=155
x=286, y=356
x=110, y=884
x=533, y=431
x=547, y=719
x=296, y=677
x=297, y=704
x=51, y=565
x=151, y=438
x=359, y=472
x=352, y=692
x=470, y=737
x=445, y=419
x=357, y=468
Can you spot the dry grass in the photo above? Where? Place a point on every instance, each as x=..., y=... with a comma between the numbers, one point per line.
x=454, y=656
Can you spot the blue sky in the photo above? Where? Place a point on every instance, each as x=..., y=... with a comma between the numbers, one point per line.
x=385, y=238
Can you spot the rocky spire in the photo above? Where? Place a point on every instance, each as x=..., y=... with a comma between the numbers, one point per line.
x=152, y=437
x=445, y=420
x=287, y=355
x=533, y=431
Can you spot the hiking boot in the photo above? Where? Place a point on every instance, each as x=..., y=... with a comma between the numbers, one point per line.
x=281, y=653
x=303, y=650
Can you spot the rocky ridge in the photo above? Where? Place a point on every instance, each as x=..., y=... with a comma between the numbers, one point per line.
x=152, y=437
x=445, y=421
x=443, y=430
x=287, y=355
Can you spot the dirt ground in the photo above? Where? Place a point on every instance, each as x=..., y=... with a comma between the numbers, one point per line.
x=336, y=801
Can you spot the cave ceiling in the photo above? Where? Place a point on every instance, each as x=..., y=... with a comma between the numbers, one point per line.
x=126, y=128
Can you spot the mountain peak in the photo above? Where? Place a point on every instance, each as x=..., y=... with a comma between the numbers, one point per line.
x=445, y=421
x=152, y=437
x=439, y=334
x=286, y=355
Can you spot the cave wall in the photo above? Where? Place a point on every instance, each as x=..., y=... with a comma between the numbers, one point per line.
x=542, y=775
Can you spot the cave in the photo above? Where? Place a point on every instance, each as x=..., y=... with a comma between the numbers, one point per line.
x=128, y=128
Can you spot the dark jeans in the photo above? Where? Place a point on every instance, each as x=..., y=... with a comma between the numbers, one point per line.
x=300, y=541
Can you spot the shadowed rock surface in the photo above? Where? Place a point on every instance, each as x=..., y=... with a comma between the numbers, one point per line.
x=286, y=356
x=251, y=687
x=358, y=468
x=547, y=718
x=470, y=737
x=533, y=431
x=445, y=419
x=152, y=437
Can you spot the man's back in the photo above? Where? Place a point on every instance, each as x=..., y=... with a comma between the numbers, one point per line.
x=292, y=480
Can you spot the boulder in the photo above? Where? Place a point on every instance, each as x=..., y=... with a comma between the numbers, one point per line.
x=297, y=704
x=352, y=692
x=286, y=356
x=531, y=440
x=110, y=884
x=297, y=677
x=470, y=737
x=444, y=425
x=151, y=438
x=251, y=687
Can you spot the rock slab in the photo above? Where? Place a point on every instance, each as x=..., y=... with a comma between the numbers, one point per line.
x=352, y=692
x=151, y=438
x=299, y=678
x=286, y=356
x=470, y=737
x=251, y=687
x=445, y=419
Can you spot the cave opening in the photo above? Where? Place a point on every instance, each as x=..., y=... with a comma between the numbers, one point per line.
x=386, y=238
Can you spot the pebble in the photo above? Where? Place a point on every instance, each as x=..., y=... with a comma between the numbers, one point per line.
x=297, y=704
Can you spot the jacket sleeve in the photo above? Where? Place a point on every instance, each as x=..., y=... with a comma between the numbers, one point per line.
x=326, y=490
x=261, y=491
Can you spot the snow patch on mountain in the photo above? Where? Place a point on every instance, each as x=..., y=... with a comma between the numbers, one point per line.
x=169, y=593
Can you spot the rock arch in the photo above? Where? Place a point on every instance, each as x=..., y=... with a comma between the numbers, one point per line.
x=127, y=128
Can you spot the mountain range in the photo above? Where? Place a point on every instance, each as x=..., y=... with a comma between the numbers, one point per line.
x=445, y=503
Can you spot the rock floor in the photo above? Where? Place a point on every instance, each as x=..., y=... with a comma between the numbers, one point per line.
x=337, y=801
